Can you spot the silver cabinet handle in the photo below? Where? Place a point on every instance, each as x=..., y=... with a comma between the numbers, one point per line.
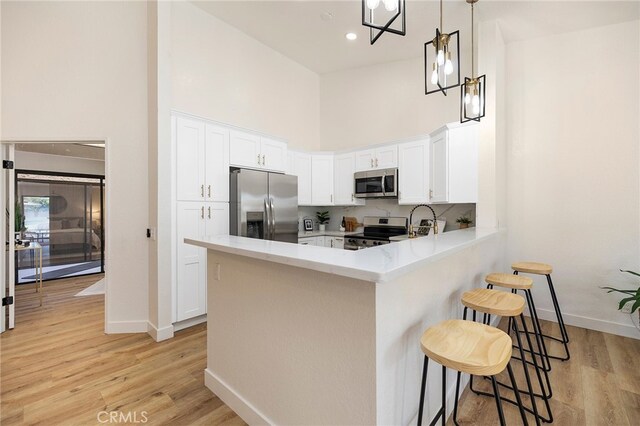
x=332, y=243
x=331, y=198
x=263, y=162
x=352, y=197
x=258, y=159
x=202, y=191
x=430, y=193
x=202, y=212
x=209, y=191
x=376, y=162
x=372, y=162
x=209, y=212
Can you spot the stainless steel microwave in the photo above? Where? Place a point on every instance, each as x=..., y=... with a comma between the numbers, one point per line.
x=376, y=183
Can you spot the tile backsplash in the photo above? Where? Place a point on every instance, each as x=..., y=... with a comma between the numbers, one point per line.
x=389, y=207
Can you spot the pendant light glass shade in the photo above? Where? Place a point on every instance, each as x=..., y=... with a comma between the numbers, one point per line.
x=384, y=16
x=442, y=61
x=472, y=92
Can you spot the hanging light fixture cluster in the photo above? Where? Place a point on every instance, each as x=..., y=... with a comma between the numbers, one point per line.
x=472, y=92
x=442, y=66
x=380, y=18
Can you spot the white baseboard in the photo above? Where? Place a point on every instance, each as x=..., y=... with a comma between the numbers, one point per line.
x=118, y=327
x=181, y=325
x=236, y=402
x=626, y=330
x=159, y=334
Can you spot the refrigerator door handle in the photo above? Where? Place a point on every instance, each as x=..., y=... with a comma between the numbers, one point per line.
x=273, y=219
x=267, y=221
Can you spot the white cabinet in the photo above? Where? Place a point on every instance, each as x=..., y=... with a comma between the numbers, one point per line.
x=307, y=241
x=195, y=220
x=202, y=161
x=334, y=242
x=301, y=167
x=413, y=172
x=454, y=165
x=322, y=241
x=256, y=152
x=322, y=180
x=384, y=157
x=344, y=166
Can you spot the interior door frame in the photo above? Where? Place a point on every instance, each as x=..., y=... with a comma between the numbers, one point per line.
x=106, y=224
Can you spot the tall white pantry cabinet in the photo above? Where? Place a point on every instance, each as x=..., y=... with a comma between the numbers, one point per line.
x=202, y=206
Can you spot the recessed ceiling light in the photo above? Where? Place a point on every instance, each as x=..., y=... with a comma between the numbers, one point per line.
x=351, y=36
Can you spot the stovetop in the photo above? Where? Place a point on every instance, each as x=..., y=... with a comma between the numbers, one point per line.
x=377, y=231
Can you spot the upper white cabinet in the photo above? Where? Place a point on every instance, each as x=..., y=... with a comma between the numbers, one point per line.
x=256, y=152
x=301, y=167
x=384, y=157
x=322, y=179
x=454, y=165
x=413, y=172
x=202, y=161
x=344, y=166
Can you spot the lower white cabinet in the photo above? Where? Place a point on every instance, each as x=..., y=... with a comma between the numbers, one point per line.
x=334, y=242
x=322, y=241
x=195, y=220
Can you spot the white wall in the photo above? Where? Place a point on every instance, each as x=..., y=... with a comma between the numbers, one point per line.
x=222, y=74
x=382, y=103
x=573, y=156
x=58, y=163
x=78, y=70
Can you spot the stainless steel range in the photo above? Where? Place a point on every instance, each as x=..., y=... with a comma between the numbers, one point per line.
x=377, y=231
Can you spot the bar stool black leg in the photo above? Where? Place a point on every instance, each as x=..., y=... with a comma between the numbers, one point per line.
x=563, y=328
x=444, y=395
x=496, y=394
x=422, y=389
x=517, y=394
x=455, y=401
x=526, y=372
x=546, y=397
x=537, y=329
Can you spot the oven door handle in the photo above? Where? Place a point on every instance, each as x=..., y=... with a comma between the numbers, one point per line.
x=382, y=179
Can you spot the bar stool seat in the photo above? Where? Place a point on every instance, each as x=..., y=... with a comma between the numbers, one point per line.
x=517, y=282
x=532, y=268
x=467, y=346
x=494, y=302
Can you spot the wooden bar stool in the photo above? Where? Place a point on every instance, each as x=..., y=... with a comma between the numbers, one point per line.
x=471, y=348
x=544, y=269
x=504, y=304
x=518, y=283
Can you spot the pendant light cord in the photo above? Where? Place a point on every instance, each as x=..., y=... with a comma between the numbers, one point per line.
x=473, y=71
x=441, y=29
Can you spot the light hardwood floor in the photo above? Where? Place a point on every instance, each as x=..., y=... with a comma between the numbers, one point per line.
x=57, y=367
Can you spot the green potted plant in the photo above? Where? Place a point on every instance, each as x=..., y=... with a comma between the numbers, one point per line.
x=323, y=219
x=19, y=220
x=632, y=296
x=464, y=221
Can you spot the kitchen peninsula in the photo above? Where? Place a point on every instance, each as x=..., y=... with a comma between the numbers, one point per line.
x=301, y=334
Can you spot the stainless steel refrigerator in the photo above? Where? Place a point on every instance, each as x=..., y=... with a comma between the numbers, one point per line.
x=263, y=205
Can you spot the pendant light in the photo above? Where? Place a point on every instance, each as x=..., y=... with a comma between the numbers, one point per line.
x=380, y=17
x=472, y=92
x=442, y=61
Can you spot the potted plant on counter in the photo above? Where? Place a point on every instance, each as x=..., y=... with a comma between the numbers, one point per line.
x=632, y=296
x=323, y=219
x=464, y=222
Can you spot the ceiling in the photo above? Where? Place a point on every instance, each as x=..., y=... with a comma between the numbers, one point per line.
x=297, y=28
x=89, y=151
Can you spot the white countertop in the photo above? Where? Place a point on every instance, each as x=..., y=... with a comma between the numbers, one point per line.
x=376, y=264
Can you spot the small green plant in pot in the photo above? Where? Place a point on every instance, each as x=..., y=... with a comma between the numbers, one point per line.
x=464, y=222
x=323, y=219
x=632, y=296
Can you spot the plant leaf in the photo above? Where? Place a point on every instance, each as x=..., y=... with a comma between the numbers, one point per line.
x=629, y=292
x=635, y=306
x=630, y=272
x=625, y=301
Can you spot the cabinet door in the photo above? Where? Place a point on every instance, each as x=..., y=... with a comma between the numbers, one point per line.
x=244, y=150
x=344, y=166
x=413, y=172
x=217, y=219
x=338, y=242
x=319, y=241
x=191, y=283
x=386, y=157
x=307, y=241
x=291, y=163
x=365, y=160
x=216, y=158
x=328, y=241
x=439, y=168
x=274, y=155
x=189, y=142
x=322, y=180
x=303, y=171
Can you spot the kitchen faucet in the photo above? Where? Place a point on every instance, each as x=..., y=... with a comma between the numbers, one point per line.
x=435, y=221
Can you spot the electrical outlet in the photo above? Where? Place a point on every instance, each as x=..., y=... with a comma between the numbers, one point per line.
x=151, y=233
x=217, y=272
x=626, y=309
